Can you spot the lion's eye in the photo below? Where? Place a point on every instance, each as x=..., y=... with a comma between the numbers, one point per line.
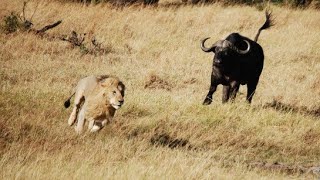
x=114, y=92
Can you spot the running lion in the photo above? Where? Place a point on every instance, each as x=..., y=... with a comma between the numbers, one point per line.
x=96, y=99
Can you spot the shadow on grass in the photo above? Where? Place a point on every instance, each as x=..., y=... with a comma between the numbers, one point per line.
x=293, y=169
x=282, y=107
x=167, y=141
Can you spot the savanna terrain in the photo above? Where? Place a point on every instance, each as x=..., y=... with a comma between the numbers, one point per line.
x=163, y=131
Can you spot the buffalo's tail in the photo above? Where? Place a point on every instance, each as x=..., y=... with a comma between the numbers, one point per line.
x=269, y=22
x=67, y=102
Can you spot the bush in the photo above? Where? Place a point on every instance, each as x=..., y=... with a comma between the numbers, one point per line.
x=12, y=23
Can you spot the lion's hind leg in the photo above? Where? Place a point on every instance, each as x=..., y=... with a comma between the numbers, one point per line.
x=81, y=120
x=78, y=101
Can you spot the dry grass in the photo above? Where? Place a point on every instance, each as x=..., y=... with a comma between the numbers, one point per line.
x=156, y=53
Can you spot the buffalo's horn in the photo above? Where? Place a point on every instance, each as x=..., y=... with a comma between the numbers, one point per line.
x=203, y=46
x=218, y=43
x=243, y=51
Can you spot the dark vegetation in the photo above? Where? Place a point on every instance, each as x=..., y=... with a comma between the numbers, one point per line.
x=15, y=23
x=291, y=3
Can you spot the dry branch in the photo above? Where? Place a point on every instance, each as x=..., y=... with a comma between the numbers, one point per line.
x=50, y=26
x=34, y=12
x=23, y=11
x=76, y=39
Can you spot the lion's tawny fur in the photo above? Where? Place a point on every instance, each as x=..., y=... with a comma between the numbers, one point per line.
x=97, y=98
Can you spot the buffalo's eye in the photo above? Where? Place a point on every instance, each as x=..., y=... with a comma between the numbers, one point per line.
x=225, y=53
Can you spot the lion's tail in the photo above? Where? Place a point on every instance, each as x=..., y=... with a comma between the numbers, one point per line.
x=67, y=102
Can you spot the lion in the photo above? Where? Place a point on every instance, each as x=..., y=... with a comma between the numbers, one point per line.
x=96, y=100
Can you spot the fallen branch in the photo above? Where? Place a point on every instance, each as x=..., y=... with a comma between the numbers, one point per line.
x=50, y=26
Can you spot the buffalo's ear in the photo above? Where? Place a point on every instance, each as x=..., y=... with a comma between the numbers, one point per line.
x=219, y=43
x=214, y=48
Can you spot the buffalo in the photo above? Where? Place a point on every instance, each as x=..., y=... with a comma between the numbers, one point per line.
x=237, y=60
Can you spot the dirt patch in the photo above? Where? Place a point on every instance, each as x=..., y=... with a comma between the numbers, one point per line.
x=190, y=81
x=155, y=82
x=5, y=136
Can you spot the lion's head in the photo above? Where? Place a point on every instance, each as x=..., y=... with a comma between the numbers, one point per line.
x=113, y=91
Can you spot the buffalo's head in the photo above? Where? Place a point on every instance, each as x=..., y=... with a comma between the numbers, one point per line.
x=225, y=51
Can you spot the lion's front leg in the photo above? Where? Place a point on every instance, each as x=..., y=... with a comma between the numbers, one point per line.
x=104, y=122
x=91, y=123
x=96, y=126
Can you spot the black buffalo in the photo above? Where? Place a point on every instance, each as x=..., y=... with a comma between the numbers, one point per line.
x=237, y=60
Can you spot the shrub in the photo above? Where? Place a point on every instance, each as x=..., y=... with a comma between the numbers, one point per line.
x=12, y=23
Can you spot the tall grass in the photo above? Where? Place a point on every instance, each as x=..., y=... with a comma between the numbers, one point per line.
x=162, y=131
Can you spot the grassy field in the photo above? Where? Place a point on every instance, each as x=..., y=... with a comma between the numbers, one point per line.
x=162, y=131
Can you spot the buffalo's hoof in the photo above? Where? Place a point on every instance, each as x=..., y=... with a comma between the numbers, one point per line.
x=207, y=101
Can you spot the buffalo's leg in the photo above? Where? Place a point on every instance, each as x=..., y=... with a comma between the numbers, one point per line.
x=251, y=86
x=212, y=89
x=225, y=94
x=234, y=90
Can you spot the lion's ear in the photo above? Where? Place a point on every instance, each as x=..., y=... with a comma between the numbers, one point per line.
x=121, y=86
x=105, y=83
